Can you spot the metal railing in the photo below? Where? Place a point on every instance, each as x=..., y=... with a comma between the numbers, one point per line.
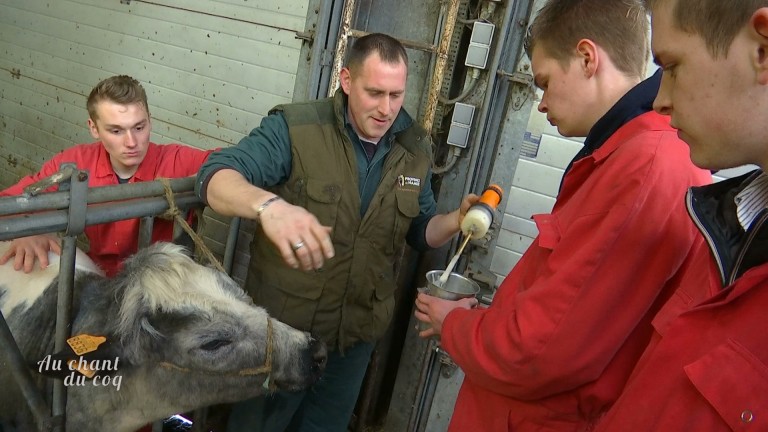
x=69, y=211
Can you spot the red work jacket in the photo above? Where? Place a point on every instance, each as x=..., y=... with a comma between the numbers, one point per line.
x=706, y=368
x=111, y=243
x=570, y=320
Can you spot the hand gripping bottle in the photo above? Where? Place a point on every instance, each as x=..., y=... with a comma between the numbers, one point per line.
x=478, y=219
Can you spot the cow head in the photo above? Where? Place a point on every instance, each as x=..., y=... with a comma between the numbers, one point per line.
x=179, y=336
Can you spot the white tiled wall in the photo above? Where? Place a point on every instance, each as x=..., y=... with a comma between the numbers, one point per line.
x=534, y=187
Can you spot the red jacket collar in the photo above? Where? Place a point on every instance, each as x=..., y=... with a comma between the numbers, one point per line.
x=650, y=121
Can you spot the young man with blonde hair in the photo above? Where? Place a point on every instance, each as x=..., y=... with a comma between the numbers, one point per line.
x=568, y=323
x=119, y=119
x=706, y=368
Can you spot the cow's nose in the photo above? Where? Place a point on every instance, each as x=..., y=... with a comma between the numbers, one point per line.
x=319, y=354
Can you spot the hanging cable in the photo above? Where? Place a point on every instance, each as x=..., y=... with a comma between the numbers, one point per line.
x=474, y=78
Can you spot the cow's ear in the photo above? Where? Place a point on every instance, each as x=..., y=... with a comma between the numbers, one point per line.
x=85, y=355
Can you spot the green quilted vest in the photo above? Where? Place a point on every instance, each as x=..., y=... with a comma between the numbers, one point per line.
x=352, y=297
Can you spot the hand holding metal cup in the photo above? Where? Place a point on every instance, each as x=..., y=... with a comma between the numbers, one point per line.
x=457, y=287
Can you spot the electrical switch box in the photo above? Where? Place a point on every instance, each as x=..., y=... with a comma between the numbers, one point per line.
x=461, y=123
x=479, y=45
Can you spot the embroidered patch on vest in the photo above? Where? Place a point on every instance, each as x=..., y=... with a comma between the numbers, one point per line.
x=403, y=181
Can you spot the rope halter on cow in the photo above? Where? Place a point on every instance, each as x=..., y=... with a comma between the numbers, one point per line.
x=264, y=369
x=174, y=213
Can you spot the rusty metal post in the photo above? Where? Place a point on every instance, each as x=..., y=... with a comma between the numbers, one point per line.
x=442, y=57
x=341, y=46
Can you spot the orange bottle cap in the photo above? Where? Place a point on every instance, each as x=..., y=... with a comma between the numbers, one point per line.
x=492, y=196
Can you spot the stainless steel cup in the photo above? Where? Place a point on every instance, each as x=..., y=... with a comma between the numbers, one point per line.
x=455, y=288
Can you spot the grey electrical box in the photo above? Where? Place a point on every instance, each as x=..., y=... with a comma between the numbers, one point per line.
x=463, y=113
x=461, y=123
x=479, y=45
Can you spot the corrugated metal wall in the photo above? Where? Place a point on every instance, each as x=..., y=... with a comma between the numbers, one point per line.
x=212, y=69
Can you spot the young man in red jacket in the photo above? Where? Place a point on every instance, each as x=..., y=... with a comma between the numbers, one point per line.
x=706, y=368
x=569, y=322
x=119, y=119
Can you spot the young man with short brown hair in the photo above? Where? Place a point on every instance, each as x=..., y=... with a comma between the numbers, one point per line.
x=706, y=368
x=570, y=320
x=119, y=119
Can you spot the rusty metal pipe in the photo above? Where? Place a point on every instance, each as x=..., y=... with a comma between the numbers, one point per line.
x=341, y=46
x=442, y=57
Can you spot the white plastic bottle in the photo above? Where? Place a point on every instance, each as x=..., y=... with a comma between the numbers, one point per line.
x=478, y=219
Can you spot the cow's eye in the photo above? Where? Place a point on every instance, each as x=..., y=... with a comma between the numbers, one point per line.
x=215, y=344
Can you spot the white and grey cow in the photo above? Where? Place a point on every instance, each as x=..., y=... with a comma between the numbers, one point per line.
x=182, y=336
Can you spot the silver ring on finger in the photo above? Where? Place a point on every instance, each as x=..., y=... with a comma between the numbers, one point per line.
x=298, y=245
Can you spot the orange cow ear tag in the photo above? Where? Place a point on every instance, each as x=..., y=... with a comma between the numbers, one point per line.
x=82, y=368
x=84, y=343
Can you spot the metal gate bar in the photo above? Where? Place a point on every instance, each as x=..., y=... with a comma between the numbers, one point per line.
x=143, y=202
x=99, y=194
x=54, y=221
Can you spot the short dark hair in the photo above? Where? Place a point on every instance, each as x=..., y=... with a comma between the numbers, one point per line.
x=716, y=21
x=120, y=89
x=389, y=49
x=620, y=27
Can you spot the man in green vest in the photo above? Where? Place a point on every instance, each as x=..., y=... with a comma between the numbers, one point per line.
x=338, y=186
